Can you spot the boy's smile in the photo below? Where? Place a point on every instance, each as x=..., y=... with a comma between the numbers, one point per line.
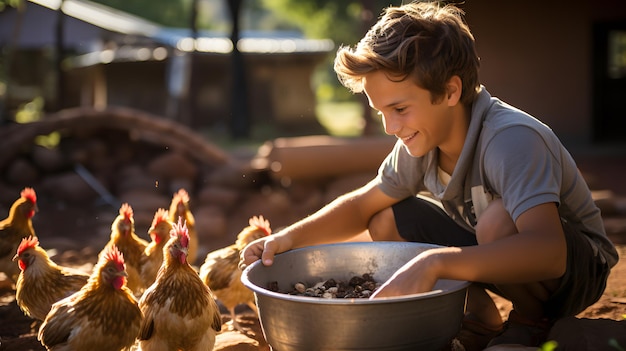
x=409, y=113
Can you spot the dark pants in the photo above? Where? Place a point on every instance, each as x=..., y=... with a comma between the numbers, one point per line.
x=584, y=281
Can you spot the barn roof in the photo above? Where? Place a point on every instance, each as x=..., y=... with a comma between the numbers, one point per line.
x=103, y=16
x=90, y=22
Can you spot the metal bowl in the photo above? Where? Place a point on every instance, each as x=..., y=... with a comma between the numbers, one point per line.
x=426, y=321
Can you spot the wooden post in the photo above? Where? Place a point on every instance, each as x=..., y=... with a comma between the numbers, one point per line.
x=239, y=119
x=318, y=157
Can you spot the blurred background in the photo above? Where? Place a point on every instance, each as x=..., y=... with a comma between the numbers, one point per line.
x=564, y=62
x=176, y=59
x=128, y=100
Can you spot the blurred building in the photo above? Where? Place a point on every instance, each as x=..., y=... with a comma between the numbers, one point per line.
x=114, y=58
x=562, y=61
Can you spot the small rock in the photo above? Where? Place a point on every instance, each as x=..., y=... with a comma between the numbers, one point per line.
x=49, y=160
x=22, y=172
x=172, y=165
x=235, y=341
x=68, y=187
x=225, y=198
x=133, y=178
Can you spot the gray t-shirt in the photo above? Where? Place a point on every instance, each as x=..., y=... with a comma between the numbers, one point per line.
x=507, y=154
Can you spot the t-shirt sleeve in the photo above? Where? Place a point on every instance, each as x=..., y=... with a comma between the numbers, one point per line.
x=522, y=169
x=400, y=175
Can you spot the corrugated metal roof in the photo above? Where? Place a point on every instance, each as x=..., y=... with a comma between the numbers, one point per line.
x=181, y=39
x=103, y=16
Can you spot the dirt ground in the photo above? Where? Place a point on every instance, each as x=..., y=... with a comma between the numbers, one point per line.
x=18, y=333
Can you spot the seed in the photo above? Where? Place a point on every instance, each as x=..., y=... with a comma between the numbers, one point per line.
x=357, y=287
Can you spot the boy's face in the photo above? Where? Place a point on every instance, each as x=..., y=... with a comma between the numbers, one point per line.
x=408, y=113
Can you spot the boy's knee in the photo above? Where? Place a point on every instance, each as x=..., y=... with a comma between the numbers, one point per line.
x=494, y=223
x=382, y=226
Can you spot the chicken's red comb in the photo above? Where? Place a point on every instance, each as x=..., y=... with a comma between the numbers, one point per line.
x=112, y=254
x=126, y=210
x=29, y=194
x=261, y=223
x=27, y=243
x=181, y=195
x=180, y=230
x=161, y=215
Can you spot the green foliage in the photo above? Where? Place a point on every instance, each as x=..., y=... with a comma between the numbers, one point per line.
x=550, y=345
x=344, y=21
x=176, y=13
x=31, y=111
x=9, y=3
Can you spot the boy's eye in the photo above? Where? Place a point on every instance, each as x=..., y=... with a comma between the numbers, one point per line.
x=400, y=109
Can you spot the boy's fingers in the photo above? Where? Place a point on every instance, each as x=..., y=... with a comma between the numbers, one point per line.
x=267, y=256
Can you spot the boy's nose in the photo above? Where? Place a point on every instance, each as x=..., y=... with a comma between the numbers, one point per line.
x=392, y=126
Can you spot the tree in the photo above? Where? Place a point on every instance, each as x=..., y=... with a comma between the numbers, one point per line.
x=9, y=3
x=344, y=21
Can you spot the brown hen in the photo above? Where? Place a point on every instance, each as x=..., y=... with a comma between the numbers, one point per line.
x=17, y=226
x=220, y=271
x=42, y=282
x=179, y=207
x=123, y=236
x=103, y=315
x=180, y=312
x=153, y=254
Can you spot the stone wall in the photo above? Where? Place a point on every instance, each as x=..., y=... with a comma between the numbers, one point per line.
x=102, y=159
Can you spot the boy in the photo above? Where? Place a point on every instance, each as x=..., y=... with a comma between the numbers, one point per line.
x=510, y=208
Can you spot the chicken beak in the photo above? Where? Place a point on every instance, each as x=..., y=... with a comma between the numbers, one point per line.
x=122, y=274
x=183, y=256
x=15, y=257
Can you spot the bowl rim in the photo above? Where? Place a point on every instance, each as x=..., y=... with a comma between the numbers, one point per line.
x=364, y=301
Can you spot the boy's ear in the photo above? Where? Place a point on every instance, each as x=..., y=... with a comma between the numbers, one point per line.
x=454, y=89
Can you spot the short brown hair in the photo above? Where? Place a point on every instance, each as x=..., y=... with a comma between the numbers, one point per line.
x=423, y=40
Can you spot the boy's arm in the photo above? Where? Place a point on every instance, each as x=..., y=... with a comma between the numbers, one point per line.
x=536, y=253
x=345, y=217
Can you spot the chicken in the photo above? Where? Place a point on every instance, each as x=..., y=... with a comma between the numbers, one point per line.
x=102, y=315
x=130, y=245
x=220, y=271
x=42, y=282
x=179, y=207
x=17, y=226
x=153, y=254
x=179, y=310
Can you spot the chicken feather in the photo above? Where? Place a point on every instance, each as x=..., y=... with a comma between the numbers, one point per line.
x=123, y=237
x=220, y=270
x=152, y=257
x=179, y=310
x=103, y=315
x=42, y=282
x=179, y=207
x=17, y=226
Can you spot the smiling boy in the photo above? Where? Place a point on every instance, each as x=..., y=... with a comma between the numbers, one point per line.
x=506, y=201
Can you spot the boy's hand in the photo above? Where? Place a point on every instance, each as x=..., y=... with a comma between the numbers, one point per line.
x=416, y=276
x=263, y=249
